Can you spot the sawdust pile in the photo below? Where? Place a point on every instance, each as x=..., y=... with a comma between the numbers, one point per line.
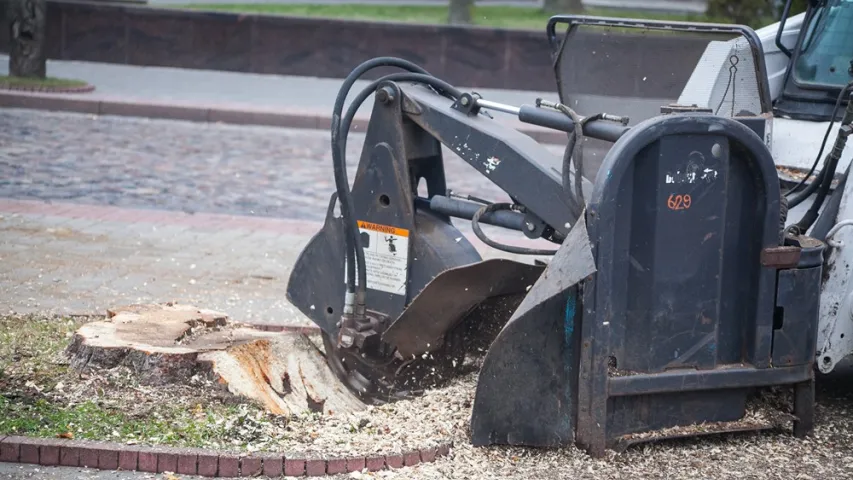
x=774, y=454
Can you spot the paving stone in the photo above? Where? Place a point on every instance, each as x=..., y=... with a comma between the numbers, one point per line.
x=315, y=467
x=412, y=458
x=251, y=466
x=9, y=450
x=335, y=466
x=428, y=455
x=200, y=168
x=208, y=465
x=394, y=461
x=443, y=450
x=229, y=465
x=167, y=461
x=294, y=467
x=374, y=464
x=89, y=458
x=69, y=455
x=49, y=454
x=187, y=463
x=273, y=465
x=29, y=453
x=128, y=460
x=356, y=464
x=108, y=457
x=147, y=461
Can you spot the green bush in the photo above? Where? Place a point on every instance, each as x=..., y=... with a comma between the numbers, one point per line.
x=755, y=13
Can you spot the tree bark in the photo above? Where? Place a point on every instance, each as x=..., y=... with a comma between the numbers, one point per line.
x=460, y=12
x=27, y=29
x=555, y=7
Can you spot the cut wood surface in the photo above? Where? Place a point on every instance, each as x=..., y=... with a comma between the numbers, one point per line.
x=284, y=372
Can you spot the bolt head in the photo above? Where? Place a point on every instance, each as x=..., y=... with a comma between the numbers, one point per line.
x=717, y=150
x=464, y=101
x=385, y=95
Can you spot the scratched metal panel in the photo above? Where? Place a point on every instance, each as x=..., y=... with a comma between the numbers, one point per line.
x=675, y=270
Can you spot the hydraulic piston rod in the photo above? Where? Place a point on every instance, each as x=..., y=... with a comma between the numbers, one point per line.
x=600, y=129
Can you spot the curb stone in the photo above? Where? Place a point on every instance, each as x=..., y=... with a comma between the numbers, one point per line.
x=45, y=89
x=196, y=461
x=210, y=114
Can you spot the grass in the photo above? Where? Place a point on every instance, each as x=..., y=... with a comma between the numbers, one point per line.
x=91, y=421
x=527, y=18
x=29, y=346
x=41, y=396
x=40, y=82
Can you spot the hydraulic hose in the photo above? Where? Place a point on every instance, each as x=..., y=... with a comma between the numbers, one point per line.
x=494, y=207
x=834, y=156
x=345, y=125
x=573, y=153
x=793, y=202
x=340, y=130
x=342, y=183
x=810, y=189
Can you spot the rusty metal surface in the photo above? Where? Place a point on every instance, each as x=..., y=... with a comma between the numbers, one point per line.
x=628, y=441
x=448, y=298
x=780, y=257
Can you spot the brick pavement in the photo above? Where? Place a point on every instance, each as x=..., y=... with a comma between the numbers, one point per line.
x=161, y=210
x=80, y=259
x=186, y=166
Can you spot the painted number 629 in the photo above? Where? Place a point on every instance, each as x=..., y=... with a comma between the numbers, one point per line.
x=678, y=202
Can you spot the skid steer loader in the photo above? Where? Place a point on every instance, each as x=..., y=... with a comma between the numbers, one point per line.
x=702, y=260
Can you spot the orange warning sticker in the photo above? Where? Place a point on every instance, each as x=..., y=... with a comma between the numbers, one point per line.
x=400, y=232
x=386, y=256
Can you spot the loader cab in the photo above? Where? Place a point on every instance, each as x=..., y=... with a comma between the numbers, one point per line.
x=821, y=61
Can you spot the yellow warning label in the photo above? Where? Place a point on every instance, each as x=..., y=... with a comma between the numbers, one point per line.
x=401, y=232
x=386, y=256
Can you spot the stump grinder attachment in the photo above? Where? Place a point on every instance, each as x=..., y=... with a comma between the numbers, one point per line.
x=671, y=293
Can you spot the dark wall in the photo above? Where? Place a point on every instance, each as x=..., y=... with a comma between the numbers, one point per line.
x=468, y=56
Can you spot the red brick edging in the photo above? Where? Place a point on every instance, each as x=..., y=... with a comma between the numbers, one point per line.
x=194, y=461
x=47, y=89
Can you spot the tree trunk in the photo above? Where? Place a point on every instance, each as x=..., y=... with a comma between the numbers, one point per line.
x=554, y=7
x=27, y=28
x=285, y=373
x=460, y=12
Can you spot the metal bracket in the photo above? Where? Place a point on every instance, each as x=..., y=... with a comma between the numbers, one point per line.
x=467, y=104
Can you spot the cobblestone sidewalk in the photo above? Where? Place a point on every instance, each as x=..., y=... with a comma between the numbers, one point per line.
x=154, y=210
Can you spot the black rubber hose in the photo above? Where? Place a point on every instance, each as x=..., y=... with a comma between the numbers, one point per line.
x=793, y=202
x=574, y=154
x=340, y=162
x=811, y=215
x=831, y=164
x=440, y=85
x=341, y=181
x=475, y=223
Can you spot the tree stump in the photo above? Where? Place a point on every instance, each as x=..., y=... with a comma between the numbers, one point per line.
x=162, y=344
x=27, y=27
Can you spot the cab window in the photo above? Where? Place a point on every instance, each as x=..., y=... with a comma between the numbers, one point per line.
x=826, y=54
